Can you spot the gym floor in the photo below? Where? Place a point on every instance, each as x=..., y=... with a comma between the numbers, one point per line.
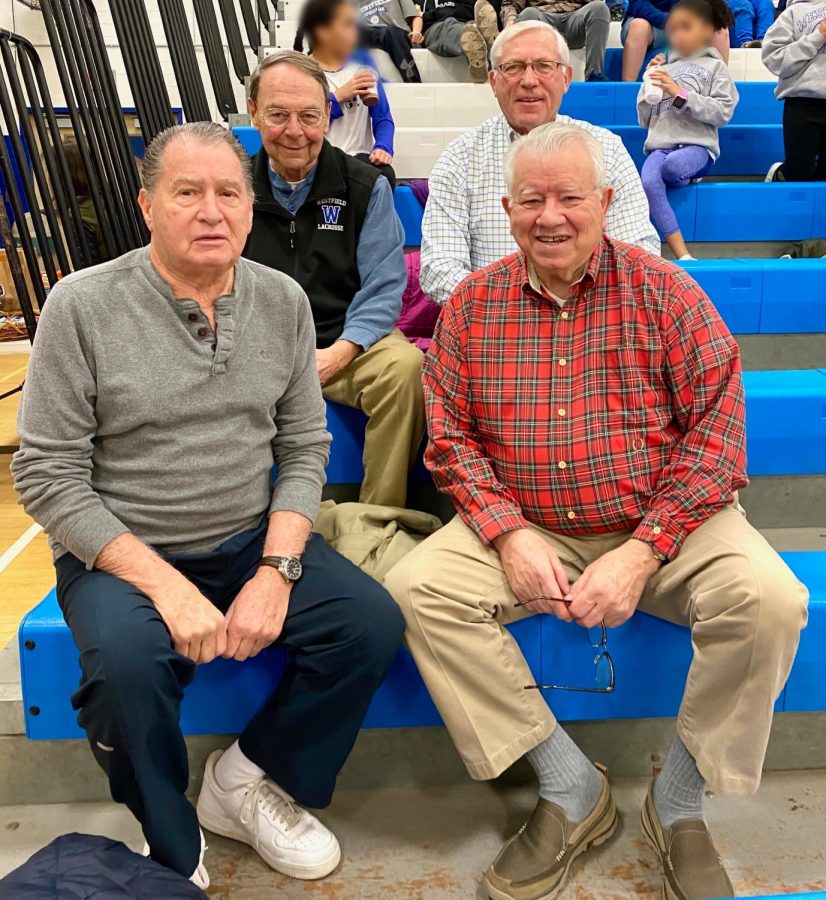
x=432, y=843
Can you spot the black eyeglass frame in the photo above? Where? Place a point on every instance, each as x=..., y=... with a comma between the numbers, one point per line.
x=603, y=653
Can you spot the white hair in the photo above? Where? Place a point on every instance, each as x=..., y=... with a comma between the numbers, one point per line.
x=548, y=139
x=518, y=28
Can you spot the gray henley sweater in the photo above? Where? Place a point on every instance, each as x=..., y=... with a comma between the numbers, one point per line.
x=137, y=417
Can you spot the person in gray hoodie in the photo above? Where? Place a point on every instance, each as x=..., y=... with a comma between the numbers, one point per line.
x=683, y=100
x=795, y=50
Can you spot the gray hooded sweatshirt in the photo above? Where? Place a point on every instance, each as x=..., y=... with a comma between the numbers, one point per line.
x=795, y=50
x=712, y=97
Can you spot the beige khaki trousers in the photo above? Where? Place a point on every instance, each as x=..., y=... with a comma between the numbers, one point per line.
x=385, y=383
x=744, y=606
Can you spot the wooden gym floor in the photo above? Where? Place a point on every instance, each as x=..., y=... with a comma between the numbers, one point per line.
x=26, y=572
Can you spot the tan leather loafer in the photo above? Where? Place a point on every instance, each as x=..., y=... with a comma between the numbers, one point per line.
x=692, y=868
x=534, y=863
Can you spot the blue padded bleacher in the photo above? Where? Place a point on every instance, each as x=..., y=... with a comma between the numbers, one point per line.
x=615, y=103
x=225, y=694
x=710, y=212
x=744, y=149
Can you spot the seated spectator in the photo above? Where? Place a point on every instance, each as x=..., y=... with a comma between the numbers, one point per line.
x=393, y=26
x=95, y=240
x=752, y=19
x=586, y=418
x=583, y=23
x=683, y=100
x=360, y=120
x=455, y=27
x=328, y=220
x=163, y=387
x=795, y=50
x=464, y=228
x=643, y=29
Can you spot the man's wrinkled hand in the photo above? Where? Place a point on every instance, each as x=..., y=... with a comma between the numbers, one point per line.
x=610, y=588
x=534, y=572
x=256, y=617
x=198, y=628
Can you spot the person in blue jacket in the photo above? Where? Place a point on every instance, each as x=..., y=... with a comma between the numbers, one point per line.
x=361, y=123
x=643, y=29
x=752, y=19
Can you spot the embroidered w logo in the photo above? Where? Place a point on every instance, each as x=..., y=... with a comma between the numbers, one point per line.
x=330, y=214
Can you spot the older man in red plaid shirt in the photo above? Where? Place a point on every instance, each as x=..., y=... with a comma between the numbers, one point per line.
x=586, y=416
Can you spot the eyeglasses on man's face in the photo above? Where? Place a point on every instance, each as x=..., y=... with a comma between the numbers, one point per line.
x=604, y=680
x=280, y=118
x=542, y=68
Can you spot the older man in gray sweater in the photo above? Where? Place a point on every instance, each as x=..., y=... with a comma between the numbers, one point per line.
x=163, y=386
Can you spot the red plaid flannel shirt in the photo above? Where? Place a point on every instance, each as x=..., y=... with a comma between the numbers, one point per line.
x=622, y=410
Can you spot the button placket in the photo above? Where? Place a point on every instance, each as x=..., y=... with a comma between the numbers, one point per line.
x=562, y=395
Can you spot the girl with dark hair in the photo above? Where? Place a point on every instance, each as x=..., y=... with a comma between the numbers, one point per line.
x=685, y=97
x=360, y=120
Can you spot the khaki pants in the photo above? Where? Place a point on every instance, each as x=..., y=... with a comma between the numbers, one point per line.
x=744, y=606
x=385, y=383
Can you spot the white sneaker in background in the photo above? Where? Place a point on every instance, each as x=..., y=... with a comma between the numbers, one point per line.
x=773, y=171
x=687, y=256
x=288, y=838
x=200, y=877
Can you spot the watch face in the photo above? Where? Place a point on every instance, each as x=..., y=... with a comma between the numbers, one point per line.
x=292, y=569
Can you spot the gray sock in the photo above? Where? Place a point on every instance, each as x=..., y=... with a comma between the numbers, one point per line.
x=566, y=776
x=678, y=790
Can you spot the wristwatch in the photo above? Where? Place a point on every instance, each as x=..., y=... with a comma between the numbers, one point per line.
x=680, y=100
x=288, y=566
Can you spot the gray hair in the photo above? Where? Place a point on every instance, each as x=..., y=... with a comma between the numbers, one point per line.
x=549, y=139
x=203, y=133
x=518, y=28
x=291, y=58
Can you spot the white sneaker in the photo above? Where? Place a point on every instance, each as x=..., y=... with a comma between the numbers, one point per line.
x=200, y=877
x=287, y=837
x=772, y=171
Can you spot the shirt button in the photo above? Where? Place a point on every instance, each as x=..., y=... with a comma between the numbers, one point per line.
x=564, y=314
x=203, y=332
x=656, y=529
x=571, y=514
x=563, y=362
x=193, y=317
x=560, y=412
x=562, y=464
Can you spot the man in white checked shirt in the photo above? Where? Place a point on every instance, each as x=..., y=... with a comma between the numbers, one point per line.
x=464, y=226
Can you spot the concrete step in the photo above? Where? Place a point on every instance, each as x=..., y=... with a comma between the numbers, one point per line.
x=65, y=771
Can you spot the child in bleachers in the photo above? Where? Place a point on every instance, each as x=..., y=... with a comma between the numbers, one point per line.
x=684, y=99
x=795, y=50
x=643, y=29
x=394, y=26
x=360, y=120
x=752, y=19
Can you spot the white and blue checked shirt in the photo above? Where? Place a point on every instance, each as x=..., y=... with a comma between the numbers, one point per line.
x=465, y=227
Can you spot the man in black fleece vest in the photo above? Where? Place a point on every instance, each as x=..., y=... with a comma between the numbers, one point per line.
x=327, y=220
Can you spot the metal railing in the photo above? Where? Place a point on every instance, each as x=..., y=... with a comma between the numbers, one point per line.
x=143, y=68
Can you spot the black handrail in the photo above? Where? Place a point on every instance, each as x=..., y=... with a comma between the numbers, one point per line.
x=216, y=62
x=143, y=68
x=251, y=25
x=237, y=53
x=184, y=61
x=264, y=13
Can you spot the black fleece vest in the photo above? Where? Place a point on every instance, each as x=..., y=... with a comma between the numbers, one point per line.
x=318, y=247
